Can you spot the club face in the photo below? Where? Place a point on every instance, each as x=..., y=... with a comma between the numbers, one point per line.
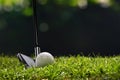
x=27, y=61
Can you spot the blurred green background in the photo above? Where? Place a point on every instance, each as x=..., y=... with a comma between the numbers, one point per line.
x=65, y=26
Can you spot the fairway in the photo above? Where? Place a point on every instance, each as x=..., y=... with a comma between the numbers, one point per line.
x=64, y=68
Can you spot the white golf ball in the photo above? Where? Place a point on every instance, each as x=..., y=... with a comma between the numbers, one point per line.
x=44, y=59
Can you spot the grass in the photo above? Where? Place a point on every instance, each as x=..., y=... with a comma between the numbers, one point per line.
x=65, y=68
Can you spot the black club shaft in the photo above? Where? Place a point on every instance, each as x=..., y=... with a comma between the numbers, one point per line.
x=35, y=21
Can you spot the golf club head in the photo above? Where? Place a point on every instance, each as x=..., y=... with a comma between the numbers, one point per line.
x=27, y=61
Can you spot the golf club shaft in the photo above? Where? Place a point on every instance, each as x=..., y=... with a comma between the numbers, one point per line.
x=37, y=48
x=37, y=51
x=35, y=22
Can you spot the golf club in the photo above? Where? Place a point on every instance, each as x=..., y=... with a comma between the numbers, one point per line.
x=41, y=59
x=27, y=61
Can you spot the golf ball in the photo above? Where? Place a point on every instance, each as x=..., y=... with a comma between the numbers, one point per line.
x=44, y=59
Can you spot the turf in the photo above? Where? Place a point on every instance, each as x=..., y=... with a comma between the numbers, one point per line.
x=64, y=68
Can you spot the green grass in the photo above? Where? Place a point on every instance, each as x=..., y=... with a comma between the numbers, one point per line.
x=65, y=68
